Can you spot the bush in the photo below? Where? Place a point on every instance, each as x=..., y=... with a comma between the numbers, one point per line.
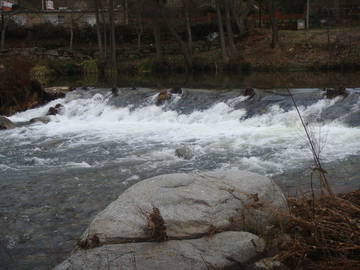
x=42, y=73
x=15, y=81
x=90, y=66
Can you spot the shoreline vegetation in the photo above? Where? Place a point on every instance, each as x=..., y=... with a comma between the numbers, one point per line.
x=324, y=233
x=311, y=50
x=308, y=51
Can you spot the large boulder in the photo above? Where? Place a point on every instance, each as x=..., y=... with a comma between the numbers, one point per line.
x=6, y=123
x=191, y=205
x=220, y=251
x=182, y=221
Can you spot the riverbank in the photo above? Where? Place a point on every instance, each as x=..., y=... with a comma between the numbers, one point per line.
x=313, y=50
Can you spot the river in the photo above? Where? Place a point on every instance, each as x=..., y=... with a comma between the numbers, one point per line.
x=55, y=177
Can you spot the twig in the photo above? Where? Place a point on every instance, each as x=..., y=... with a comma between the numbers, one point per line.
x=316, y=157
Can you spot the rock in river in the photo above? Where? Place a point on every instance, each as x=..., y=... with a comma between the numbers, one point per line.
x=43, y=119
x=184, y=152
x=226, y=205
x=162, y=97
x=6, y=123
x=58, y=109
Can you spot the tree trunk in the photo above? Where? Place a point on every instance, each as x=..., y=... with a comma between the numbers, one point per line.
x=221, y=32
x=139, y=23
x=104, y=25
x=3, y=36
x=274, y=26
x=337, y=11
x=229, y=30
x=98, y=31
x=184, y=47
x=112, y=35
x=139, y=36
x=241, y=18
x=188, y=23
x=157, y=38
x=4, y=24
x=71, y=34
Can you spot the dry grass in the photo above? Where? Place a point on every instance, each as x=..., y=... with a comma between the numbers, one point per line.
x=300, y=50
x=325, y=233
x=156, y=225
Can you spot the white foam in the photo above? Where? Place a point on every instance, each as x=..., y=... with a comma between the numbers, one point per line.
x=4, y=168
x=217, y=129
x=38, y=161
x=131, y=179
x=78, y=164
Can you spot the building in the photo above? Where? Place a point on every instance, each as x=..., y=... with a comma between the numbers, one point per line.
x=8, y=5
x=335, y=11
x=60, y=12
x=63, y=12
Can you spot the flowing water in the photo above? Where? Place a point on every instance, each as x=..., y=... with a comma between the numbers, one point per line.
x=55, y=177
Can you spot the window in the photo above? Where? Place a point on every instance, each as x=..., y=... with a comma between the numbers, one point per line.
x=61, y=19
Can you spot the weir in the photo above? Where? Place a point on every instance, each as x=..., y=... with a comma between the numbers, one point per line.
x=56, y=176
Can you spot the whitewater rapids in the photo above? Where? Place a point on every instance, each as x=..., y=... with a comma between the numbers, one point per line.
x=140, y=138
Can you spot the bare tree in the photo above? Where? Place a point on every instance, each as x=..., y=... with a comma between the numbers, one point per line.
x=187, y=4
x=112, y=34
x=5, y=19
x=274, y=24
x=240, y=10
x=105, y=29
x=230, y=34
x=221, y=32
x=76, y=13
x=171, y=27
x=98, y=29
x=137, y=9
x=157, y=37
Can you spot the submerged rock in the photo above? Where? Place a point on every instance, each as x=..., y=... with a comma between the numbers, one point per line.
x=162, y=97
x=353, y=119
x=43, y=119
x=335, y=92
x=55, y=110
x=249, y=92
x=6, y=123
x=184, y=152
x=115, y=91
x=176, y=90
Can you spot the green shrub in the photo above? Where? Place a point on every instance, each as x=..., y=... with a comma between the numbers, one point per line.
x=90, y=66
x=40, y=71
